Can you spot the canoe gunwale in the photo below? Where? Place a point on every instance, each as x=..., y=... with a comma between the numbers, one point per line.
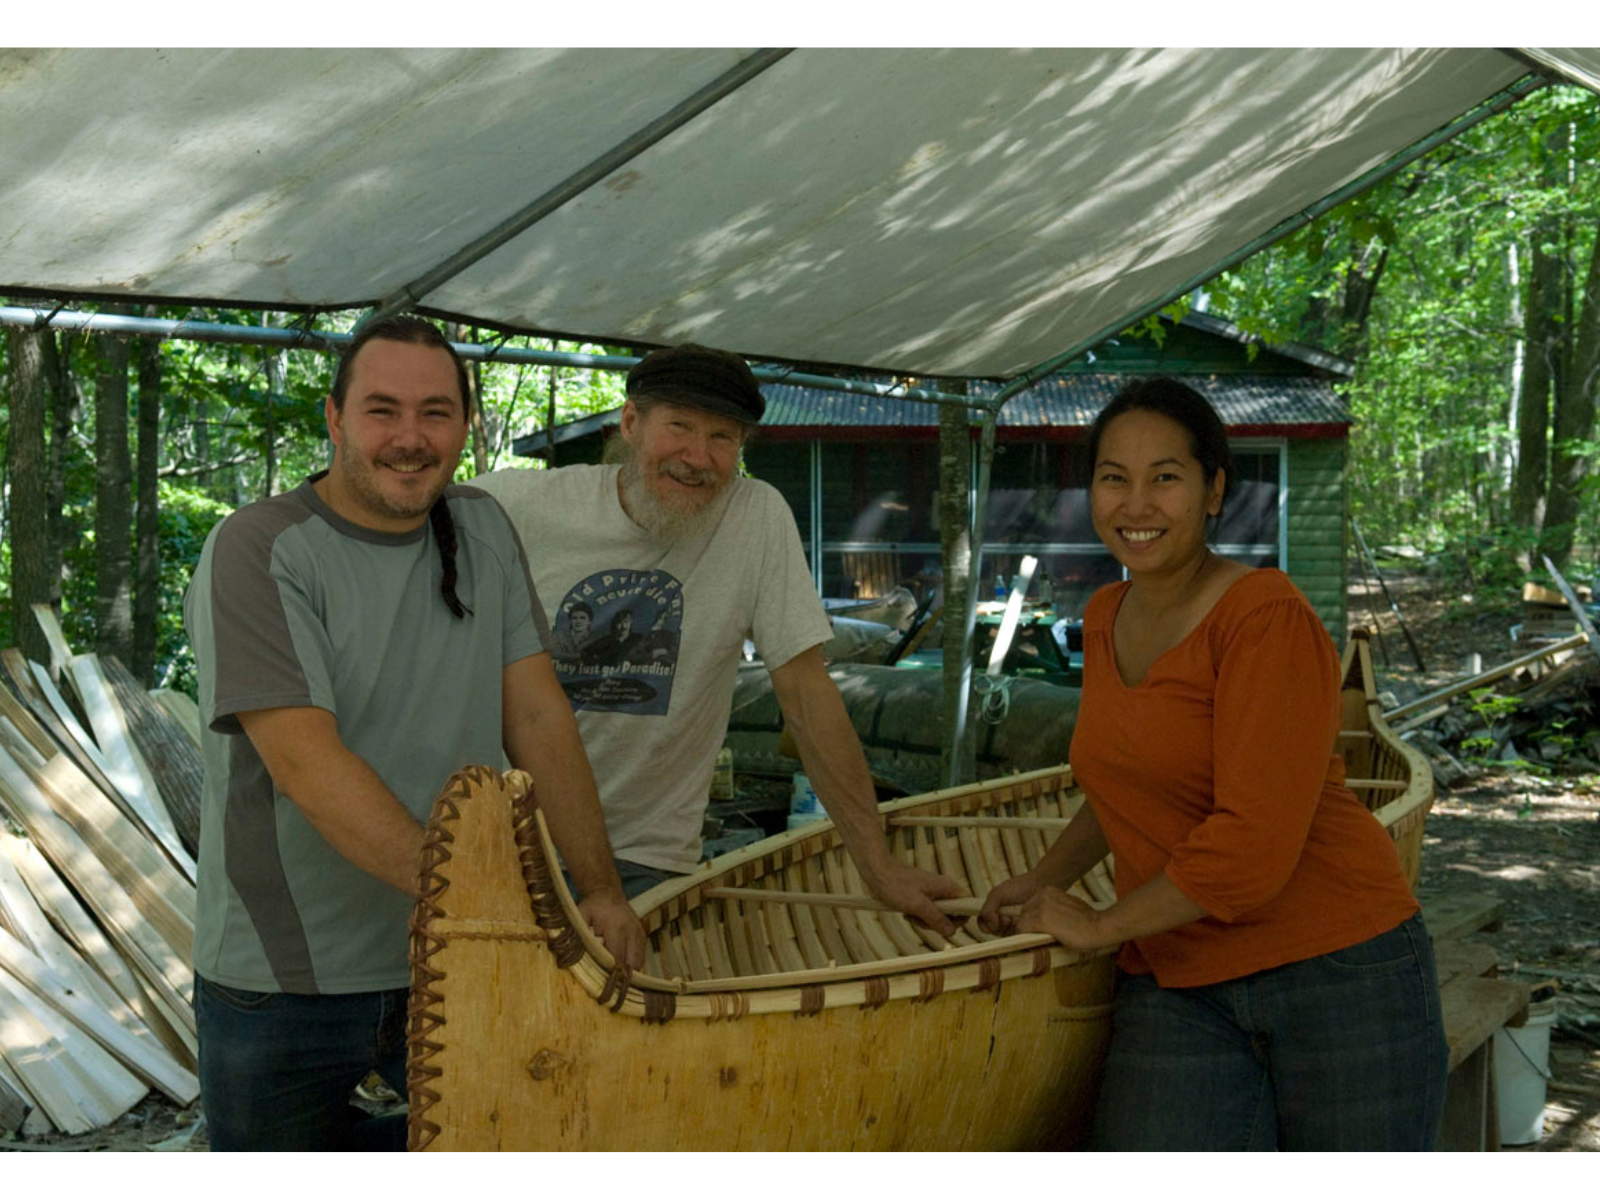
x=918, y=977
x=1404, y=815
x=555, y=919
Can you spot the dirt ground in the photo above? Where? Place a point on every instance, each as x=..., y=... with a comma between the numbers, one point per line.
x=1529, y=838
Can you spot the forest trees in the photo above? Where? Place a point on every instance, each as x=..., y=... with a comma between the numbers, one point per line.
x=1466, y=289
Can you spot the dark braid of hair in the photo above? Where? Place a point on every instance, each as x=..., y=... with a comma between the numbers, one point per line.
x=444, y=532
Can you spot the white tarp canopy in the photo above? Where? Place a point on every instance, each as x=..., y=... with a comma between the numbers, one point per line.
x=937, y=213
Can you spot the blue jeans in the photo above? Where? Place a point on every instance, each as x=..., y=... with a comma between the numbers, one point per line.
x=1344, y=1051
x=277, y=1070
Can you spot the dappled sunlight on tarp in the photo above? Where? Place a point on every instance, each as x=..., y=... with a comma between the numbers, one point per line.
x=938, y=212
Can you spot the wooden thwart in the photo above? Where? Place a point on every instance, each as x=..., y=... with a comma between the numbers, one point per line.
x=964, y=906
x=1044, y=823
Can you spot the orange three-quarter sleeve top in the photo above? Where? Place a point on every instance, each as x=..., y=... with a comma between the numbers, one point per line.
x=1219, y=769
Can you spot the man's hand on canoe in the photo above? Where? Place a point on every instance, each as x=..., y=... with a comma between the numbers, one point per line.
x=612, y=918
x=913, y=891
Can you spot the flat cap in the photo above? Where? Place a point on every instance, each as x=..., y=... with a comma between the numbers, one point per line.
x=700, y=377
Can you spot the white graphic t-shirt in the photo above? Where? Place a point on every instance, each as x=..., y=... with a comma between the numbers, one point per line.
x=646, y=636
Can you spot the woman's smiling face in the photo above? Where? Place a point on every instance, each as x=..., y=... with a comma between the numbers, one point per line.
x=1149, y=497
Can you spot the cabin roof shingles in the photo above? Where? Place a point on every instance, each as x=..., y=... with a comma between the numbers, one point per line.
x=1067, y=402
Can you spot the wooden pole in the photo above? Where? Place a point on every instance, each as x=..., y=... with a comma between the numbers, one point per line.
x=965, y=906
x=1395, y=608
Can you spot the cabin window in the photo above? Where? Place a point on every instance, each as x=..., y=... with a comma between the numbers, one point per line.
x=876, y=513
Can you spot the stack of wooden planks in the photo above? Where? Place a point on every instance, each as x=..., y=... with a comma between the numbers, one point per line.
x=99, y=791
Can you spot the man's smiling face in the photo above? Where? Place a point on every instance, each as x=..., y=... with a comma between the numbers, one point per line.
x=682, y=458
x=398, y=436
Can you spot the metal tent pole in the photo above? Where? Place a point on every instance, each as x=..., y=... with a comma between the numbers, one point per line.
x=331, y=343
x=980, y=509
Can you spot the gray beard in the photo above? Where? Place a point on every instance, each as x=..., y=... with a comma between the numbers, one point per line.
x=661, y=522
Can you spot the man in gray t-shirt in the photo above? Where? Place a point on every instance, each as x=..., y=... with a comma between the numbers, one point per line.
x=358, y=639
x=654, y=573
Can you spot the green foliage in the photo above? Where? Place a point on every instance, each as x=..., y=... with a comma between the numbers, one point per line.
x=1490, y=707
x=1413, y=281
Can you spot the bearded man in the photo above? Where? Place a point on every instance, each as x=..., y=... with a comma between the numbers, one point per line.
x=358, y=639
x=703, y=559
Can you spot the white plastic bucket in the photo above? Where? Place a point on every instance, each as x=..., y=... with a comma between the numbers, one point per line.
x=1522, y=1068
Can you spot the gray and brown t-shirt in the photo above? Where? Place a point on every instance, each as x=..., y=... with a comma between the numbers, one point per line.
x=291, y=605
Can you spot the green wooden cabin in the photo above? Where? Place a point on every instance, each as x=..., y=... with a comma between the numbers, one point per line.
x=862, y=473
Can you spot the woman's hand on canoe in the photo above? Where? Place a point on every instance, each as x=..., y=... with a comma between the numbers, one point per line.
x=616, y=924
x=1064, y=917
x=912, y=891
x=1011, y=894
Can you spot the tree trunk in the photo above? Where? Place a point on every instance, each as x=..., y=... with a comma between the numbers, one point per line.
x=1533, y=416
x=474, y=402
x=1360, y=286
x=550, y=419
x=269, y=449
x=1544, y=325
x=113, y=502
x=955, y=545
x=35, y=568
x=147, y=588
x=1518, y=365
x=1574, y=420
x=66, y=420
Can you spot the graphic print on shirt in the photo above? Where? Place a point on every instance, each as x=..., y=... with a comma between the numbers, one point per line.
x=614, y=641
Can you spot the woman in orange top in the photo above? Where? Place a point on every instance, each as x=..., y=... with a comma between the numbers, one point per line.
x=1278, y=988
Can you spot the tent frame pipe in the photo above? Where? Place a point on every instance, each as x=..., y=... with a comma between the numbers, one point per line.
x=969, y=617
x=1496, y=104
x=331, y=343
x=574, y=185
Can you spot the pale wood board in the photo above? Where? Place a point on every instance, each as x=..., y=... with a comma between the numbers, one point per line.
x=165, y=971
x=130, y=772
x=144, y=1058
x=15, y=1104
x=77, y=1083
x=28, y=923
x=162, y=895
x=42, y=720
x=60, y=652
x=173, y=757
x=67, y=720
x=37, y=1122
x=85, y=935
x=15, y=709
x=31, y=1061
